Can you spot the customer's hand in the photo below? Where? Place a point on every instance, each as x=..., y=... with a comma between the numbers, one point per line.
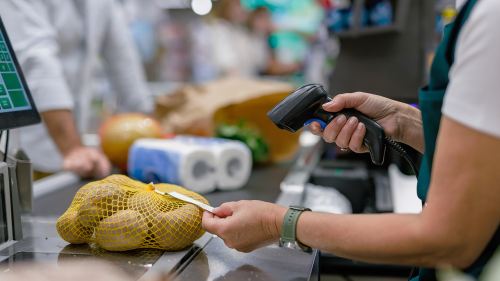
x=246, y=225
x=401, y=122
x=87, y=162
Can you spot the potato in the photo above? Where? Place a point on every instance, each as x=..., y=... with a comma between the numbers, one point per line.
x=177, y=229
x=125, y=230
x=89, y=215
x=101, y=202
x=71, y=230
x=151, y=204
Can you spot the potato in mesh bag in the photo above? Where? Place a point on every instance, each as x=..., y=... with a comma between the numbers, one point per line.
x=71, y=230
x=122, y=214
x=125, y=230
x=102, y=202
x=177, y=230
x=173, y=223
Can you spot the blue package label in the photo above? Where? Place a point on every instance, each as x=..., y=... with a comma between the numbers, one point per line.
x=154, y=165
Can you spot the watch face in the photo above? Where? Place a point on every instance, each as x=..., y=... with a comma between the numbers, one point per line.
x=295, y=246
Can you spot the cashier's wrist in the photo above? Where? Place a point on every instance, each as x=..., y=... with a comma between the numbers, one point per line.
x=411, y=127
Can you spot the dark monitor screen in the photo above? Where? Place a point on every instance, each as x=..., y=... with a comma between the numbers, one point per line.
x=17, y=108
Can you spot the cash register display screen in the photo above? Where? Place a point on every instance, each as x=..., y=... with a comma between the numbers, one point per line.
x=13, y=96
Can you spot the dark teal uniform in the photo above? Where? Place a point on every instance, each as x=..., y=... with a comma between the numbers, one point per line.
x=431, y=101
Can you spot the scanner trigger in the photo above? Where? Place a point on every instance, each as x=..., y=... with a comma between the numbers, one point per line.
x=321, y=122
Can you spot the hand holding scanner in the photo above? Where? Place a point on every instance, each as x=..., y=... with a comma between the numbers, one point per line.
x=305, y=105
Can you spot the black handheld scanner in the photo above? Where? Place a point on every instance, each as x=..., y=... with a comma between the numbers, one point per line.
x=304, y=105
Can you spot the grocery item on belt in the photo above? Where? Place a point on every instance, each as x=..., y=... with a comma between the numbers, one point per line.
x=233, y=159
x=121, y=214
x=248, y=134
x=175, y=162
x=120, y=131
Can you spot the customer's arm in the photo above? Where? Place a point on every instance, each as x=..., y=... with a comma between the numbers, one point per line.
x=85, y=161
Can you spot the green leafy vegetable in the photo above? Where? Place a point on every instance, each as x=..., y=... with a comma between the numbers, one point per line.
x=248, y=135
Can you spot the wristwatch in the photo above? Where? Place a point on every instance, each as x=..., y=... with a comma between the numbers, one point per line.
x=288, y=230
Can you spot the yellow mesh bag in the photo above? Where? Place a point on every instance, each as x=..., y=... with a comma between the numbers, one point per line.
x=121, y=214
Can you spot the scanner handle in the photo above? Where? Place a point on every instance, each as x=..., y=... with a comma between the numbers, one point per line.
x=374, y=137
x=305, y=105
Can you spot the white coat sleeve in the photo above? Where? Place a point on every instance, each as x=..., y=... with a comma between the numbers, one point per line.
x=123, y=64
x=34, y=39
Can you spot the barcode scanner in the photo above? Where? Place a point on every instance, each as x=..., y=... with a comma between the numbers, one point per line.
x=305, y=105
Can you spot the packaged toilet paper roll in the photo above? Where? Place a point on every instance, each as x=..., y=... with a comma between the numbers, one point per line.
x=233, y=159
x=175, y=162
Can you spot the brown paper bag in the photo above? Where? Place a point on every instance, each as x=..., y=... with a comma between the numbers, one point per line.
x=198, y=110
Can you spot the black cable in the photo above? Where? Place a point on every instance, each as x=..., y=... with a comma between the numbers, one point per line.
x=413, y=167
x=6, y=147
x=394, y=145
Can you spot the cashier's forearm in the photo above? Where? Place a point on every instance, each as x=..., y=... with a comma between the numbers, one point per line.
x=390, y=238
x=62, y=128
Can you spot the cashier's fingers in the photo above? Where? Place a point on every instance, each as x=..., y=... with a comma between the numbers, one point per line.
x=208, y=222
x=348, y=100
x=225, y=210
x=315, y=128
x=356, y=143
x=211, y=222
x=331, y=131
x=344, y=136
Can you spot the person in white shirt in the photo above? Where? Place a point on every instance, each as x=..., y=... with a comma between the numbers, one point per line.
x=57, y=43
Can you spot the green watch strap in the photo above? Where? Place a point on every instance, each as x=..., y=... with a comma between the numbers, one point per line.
x=289, y=227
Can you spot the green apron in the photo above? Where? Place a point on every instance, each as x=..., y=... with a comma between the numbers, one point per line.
x=431, y=101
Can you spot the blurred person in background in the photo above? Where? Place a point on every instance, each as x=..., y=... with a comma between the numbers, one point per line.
x=57, y=43
x=261, y=26
x=322, y=54
x=233, y=51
